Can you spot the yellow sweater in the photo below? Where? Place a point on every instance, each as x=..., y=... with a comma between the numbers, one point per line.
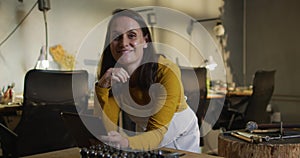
x=157, y=126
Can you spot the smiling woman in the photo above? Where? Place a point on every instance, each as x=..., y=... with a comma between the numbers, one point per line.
x=143, y=88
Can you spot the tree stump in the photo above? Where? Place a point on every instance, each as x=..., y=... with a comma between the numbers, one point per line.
x=231, y=147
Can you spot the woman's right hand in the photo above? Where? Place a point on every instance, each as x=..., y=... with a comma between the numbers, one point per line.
x=113, y=75
x=115, y=139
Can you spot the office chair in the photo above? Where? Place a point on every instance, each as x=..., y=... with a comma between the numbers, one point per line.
x=254, y=109
x=194, y=83
x=8, y=142
x=47, y=93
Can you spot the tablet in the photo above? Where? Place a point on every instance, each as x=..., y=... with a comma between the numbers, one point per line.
x=84, y=128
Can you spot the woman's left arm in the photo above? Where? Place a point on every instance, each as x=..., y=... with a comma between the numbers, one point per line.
x=171, y=100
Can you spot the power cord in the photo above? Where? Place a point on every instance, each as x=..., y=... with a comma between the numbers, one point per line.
x=14, y=30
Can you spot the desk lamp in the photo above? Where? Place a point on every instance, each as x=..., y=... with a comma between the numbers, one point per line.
x=209, y=63
x=219, y=29
x=43, y=62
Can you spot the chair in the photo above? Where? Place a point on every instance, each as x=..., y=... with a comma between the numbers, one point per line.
x=47, y=93
x=254, y=109
x=194, y=84
x=195, y=90
x=8, y=142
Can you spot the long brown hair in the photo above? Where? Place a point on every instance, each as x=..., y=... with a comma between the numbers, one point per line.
x=145, y=74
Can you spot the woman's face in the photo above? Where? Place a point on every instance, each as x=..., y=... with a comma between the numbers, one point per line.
x=127, y=41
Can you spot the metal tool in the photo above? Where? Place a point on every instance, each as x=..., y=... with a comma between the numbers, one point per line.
x=252, y=127
x=268, y=138
x=242, y=137
x=255, y=138
x=265, y=131
x=248, y=137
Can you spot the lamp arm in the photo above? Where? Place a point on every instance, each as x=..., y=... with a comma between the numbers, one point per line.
x=209, y=19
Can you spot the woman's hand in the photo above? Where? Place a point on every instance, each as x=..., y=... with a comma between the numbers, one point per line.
x=115, y=139
x=113, y=75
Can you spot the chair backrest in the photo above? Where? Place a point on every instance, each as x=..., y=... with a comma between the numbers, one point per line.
x=263, y=87
x=195, y=89
x=56, y=87
x=194, y=83
x=47, y=93
x=8, y=142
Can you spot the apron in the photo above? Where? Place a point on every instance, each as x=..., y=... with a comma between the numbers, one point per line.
x=183, y=132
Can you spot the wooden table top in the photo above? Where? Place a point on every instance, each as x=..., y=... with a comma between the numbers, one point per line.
x=5, y=108
x=74, y=153
x=212, y=94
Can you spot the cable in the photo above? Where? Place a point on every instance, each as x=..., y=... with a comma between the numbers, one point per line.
x=44, y=6
x=46, y=32
x=14, y=30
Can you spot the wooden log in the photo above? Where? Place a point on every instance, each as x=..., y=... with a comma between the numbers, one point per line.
x=231, y=147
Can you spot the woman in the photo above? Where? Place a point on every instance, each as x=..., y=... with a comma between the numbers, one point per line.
x=134, y=81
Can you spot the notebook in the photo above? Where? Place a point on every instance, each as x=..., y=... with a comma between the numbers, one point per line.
x=84, y=128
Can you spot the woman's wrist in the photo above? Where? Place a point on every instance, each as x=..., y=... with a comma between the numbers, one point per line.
x=103, y=84
x=124, y=143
